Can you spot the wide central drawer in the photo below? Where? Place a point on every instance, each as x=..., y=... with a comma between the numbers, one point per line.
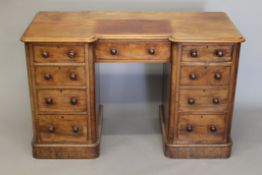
x=132, y=50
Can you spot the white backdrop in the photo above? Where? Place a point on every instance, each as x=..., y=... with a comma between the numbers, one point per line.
x=131, y=93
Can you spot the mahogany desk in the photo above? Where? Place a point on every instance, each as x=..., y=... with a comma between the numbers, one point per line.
x=199, y=51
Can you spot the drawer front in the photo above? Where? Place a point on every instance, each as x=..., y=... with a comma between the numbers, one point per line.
x=62, y=128
x=205, y=75
x=137, y=50
x=60, y=75
x=62, y=101
x=59, y=53
x=201, y=128
x=207, y=53
x=200, y=100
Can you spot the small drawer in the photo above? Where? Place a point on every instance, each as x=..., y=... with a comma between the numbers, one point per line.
x=201, y=129
x=132, y=50
x=59, y=53
x=62, y=100
x=60, y=76
x=62, y=128
x=203, y=100
x=205, y=75
x=206, y=53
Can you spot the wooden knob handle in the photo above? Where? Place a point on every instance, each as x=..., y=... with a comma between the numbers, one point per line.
x=49, y=100
x=219, y=53
x=45, y=54
x=189, y=128
x=75, y=129
x=191, y=101
x=216, y=101
x=47, y=76
x=71, y=54
x=113, y=51
x=151, y=51
x=51, y=129
x=73, y=76
x=193, y=76
x=218, y=76
x=73, y=100
x=213, y=128
x=194, y=53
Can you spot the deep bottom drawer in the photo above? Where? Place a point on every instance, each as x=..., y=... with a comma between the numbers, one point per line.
x=62, y=128
x=201, y=128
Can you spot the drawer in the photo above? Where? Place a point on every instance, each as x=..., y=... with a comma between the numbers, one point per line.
x=62, y=128
x=207, y=53
x=203, y=100
x=201, y=129
x=62, y=100
x=60, y=75
x=205, y=75
x=59, y=53
x=136, y=50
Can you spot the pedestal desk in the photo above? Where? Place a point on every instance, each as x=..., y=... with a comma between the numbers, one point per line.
x=199, y=52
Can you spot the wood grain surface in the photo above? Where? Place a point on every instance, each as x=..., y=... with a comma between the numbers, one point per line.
x=90, y=26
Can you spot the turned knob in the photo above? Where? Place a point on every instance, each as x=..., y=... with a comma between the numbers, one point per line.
x=73, y=76
x=73, y=101
x=191, y=101
x=75, y=129
x=71, y=54
x=51, y=129
x=45, y=54
x=189, y=128
x=151, y=51
x=194, y=53
x=193, y=76
x=216, y=101
x=213, y=128
x=47, y=76
x=219, y=53
x=49, y=100
x=218, y=76
x=113, y=51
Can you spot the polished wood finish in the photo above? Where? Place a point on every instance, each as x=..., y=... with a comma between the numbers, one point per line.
x=200, y=54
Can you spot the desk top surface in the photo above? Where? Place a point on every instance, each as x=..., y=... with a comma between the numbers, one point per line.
x=90, y=26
